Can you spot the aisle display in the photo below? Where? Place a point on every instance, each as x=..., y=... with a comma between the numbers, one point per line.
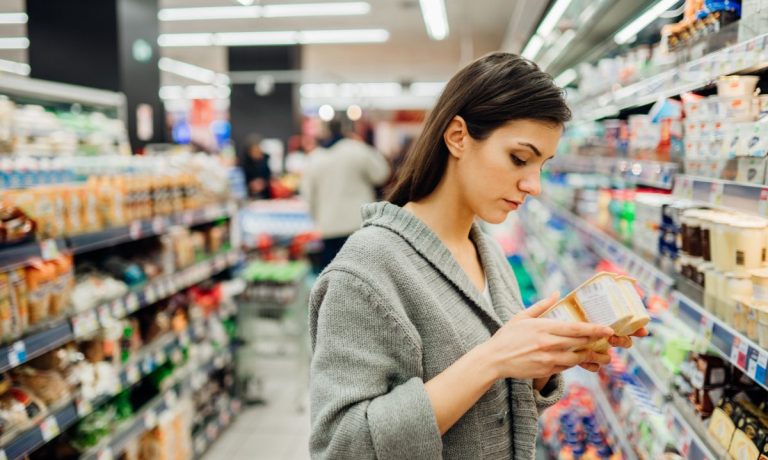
x=116, y=330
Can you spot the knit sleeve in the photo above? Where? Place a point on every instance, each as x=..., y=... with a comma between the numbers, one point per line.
x=550, y=394
x=367, y=399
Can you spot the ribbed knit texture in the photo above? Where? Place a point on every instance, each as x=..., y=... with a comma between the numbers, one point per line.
x=393, y=310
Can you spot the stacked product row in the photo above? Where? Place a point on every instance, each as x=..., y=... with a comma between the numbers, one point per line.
x=110, y=198
x=47, y=290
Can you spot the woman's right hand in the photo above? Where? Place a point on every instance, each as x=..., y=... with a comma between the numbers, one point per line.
x=530, y=347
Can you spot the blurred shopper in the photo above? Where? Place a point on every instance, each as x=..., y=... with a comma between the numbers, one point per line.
x=336, y=183
x=421, y=346
x=255, y=164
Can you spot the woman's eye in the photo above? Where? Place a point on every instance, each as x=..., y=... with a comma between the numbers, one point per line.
x=517, y=161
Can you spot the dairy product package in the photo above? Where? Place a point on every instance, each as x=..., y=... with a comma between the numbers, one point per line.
x=607, y=299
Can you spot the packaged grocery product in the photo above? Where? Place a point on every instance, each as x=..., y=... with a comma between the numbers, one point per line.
x=751, y=170
x=605, y=299
x=39, y=284
x=63, y=283
x=15, y=225
x=736, y=85
x=6, y=306
x=49, y=385
x=73, y=215
x=721, y=426
x=19, y=293
x=20, y=406
x=749, y=433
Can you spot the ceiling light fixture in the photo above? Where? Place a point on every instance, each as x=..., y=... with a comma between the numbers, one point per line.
x=326, y=112
x=566, y=78
x=250, y=11
x=557, y=49
x=533, y=47
x=628, y=32
x=245, y=2
x=286, y=37
x=553, y=16
x=194, y=92
x=13, y=18
x=435, y=18
x=192, y=71
x=168, y=40
x=14, y=67
x=14, y=43
x=316, y=9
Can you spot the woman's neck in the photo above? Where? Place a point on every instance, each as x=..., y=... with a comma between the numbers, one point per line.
x=446, y=214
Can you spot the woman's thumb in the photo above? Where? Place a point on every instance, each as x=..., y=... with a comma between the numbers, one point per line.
x=541, y=307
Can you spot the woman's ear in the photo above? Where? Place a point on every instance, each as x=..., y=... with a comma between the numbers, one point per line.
x=456, y=136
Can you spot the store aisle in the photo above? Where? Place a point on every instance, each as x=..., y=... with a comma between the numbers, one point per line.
x=276, y=430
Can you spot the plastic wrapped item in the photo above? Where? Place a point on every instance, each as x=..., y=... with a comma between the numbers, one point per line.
x=50, y=386
x=15, y=225
x=93, y=428
x=19, y=406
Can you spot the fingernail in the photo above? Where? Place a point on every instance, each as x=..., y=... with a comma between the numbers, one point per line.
x=608, y=331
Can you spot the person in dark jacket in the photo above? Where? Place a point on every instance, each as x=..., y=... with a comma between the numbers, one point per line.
x=255, y=164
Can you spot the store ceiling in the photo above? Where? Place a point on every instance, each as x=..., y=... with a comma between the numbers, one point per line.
x=476, y=28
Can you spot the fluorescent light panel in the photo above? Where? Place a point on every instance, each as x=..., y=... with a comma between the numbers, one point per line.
x=265, y=11
x=566, y=78
x=14, y=67
x=192, y=71
x=369, y=90
x=194, y=92
x=557, y=49
x=553, y=17
x=435, y=18
x=13, y=18
x=533, y=47
x=316, y=9
x=286, y=37
x=14, y=43
x=650, y=15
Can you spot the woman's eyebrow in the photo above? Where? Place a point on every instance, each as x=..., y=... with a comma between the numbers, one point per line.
x=532, y=147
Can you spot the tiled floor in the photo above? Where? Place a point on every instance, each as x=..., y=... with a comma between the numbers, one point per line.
x=276, y=430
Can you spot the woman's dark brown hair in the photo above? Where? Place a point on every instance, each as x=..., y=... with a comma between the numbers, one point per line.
x=489, y=92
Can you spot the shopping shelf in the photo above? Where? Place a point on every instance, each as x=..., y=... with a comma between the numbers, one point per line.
x=655, y=174
x=723, y=194
x=732, y=345
x=167, y=348
x=208, y=435
x=182, y=383
x=608, y=414
x=85, y=324
x=692, y=439
x=697, y=74
x=19, y=255
x=651, y=278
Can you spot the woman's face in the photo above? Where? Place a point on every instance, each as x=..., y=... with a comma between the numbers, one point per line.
x=497, y=174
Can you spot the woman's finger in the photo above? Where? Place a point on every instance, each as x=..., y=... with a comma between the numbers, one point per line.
x=578, y=329
x=557, y=342
x=598, y=358
x=569, y=359
x=591, y=367
x=620, y=341
x=540, y=307
x=642, y=332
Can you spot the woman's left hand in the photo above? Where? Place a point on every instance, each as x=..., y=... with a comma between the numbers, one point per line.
x=599, y=359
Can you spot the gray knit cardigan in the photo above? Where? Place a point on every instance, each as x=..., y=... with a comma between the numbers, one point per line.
x=392, y=311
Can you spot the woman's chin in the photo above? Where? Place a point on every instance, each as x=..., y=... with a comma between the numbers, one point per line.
x=495, y=217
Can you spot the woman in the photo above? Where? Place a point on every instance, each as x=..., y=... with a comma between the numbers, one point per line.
x=421, y=347
x=255, y=164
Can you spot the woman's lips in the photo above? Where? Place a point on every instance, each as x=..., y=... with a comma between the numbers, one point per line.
x=513, y=205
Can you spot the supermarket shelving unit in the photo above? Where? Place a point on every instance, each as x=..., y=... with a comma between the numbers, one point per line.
x=75, y=326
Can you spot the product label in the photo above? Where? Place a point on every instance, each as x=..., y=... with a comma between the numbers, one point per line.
x=760, y=293
x=49, y=250
x=598, y=301
x=83, y=407
x=133, y=374
x=17, y=354
x=762, y=365
x=105, y=454
x=150, y=419
x=49, y=428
